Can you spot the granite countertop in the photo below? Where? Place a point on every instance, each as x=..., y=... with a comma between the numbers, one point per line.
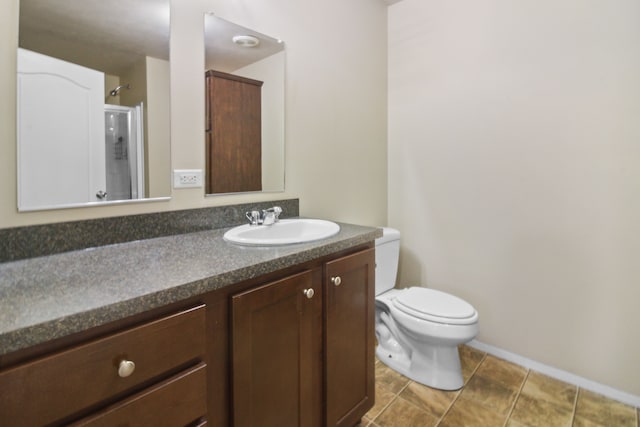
x=53, y=296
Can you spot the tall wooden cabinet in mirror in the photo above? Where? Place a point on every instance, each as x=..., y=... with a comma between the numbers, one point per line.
x=244, y=80
x=93, y=102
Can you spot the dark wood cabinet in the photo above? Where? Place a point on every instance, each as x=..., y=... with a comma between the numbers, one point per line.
x=233, y=133
x=302, y=359
x=291, y=348
x=177, y=401
x=276, y=347
x=349, y=333
x=67, y=385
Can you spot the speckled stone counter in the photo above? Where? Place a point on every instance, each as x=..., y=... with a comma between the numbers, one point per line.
x=46, y=239
x=53, y=296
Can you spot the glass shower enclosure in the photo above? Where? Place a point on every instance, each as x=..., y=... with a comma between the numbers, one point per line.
x=124, y=152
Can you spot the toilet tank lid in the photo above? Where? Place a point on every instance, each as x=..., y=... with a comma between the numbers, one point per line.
x=388, y=235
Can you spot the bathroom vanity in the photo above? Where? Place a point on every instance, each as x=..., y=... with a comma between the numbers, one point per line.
x=190, y=330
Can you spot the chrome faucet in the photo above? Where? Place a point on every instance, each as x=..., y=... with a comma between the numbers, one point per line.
x=270, y=216
x=266, y=217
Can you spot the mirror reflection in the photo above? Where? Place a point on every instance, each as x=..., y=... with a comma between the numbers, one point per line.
x=244, y=79
x=93, y=102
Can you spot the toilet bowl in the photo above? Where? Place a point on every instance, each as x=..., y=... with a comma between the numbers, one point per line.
x=419, y=329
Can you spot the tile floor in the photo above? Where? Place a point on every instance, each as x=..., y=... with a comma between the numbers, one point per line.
x=496, y=393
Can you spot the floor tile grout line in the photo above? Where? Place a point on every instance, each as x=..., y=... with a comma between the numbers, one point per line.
x=575, y=405
x=384, y=408
x=484, y=357
x=455, y=399
x=411, y=403
x=405, y=386
x=395, y=396
x=515, y=401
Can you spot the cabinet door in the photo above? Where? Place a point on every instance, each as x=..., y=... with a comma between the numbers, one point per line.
x=234, y=133
x=349, y=338
x=276, y=352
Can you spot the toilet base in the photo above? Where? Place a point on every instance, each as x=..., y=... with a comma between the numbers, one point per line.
x=437, y=367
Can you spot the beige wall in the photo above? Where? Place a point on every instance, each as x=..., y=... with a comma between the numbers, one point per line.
x=136, y=77
x=158, y=132
x=514, y=172
x=335, y=118
x=111, y=82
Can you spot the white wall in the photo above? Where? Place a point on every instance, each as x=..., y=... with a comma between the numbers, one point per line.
x=335, y=117
x=514, y=171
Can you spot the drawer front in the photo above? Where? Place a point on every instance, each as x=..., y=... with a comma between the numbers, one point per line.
x=57, y=386
x=179, y=401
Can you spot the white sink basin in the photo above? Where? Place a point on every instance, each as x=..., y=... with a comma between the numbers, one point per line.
x=283, y=232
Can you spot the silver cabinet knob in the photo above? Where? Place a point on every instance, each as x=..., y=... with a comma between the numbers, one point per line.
x=336, y=280
x=101, y=195
x=126, y=368
x=309, y=293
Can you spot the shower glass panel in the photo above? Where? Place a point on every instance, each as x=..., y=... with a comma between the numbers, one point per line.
x=124, y=152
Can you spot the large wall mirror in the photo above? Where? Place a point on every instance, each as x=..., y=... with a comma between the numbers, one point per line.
x=245, y=92
x=93, y=106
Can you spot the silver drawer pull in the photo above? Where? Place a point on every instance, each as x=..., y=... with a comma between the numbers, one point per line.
x=126, y=368
x=336, y=280
x=309, y=293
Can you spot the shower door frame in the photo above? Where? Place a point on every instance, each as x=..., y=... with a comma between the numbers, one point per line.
x=135, y=124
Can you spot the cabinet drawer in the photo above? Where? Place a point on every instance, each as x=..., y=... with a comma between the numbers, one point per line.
x=58, y=386
x=179, y=401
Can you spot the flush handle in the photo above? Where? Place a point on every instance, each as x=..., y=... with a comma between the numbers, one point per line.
x=336, y=280
x=309, y=293
x=126, y=368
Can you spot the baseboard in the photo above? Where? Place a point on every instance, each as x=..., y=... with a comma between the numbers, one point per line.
x=559, y=374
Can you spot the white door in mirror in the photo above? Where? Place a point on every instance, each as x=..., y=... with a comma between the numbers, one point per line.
x=59, y=164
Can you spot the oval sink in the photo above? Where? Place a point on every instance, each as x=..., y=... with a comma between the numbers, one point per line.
x=283, y=232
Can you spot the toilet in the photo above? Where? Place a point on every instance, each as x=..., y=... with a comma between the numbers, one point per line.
x=419, y=329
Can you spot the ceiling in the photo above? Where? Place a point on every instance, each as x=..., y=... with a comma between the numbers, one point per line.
x=107, y=35
x=224, y=55
x=113, y=35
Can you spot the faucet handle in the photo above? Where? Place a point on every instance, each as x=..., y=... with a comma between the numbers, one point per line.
x=277, y=210
x=253, y=217
x=270, y=216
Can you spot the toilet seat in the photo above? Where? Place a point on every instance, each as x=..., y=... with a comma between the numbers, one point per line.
x=435, y=306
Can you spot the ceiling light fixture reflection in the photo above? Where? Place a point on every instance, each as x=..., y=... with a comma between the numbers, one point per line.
x=246, y=41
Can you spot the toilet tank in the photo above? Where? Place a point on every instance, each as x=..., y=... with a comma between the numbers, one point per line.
x=387, y=256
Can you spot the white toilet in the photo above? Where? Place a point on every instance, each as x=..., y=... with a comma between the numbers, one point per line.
x=419, y=329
